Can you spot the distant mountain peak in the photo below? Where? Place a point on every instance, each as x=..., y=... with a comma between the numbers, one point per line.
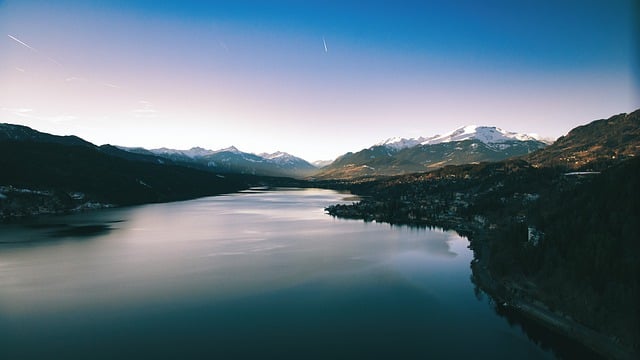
x=399, y=143
x=233, y=160
x=231, y=149
x=485, y=134
x=275, y=155
x=322, y=163
x=192, y=153
x=285, y=159
x=464, y=145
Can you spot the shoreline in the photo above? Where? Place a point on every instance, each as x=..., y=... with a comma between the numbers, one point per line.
x=509, y=293
x=505, y=294
x=559, y=324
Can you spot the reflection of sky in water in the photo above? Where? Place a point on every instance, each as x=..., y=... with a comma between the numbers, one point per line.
x=255, y=248
x=220, y=246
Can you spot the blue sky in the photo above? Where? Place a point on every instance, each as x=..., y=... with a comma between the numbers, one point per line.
x=256, y=74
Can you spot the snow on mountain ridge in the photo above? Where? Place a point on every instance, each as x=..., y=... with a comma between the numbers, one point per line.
x=485, y=134
x=275, y=155
x=399, y=143
x=282, y=158
x=278, y=157
x=192, y=153
x=231, y=149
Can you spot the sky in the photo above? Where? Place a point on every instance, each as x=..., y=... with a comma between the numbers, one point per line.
x=313, y=78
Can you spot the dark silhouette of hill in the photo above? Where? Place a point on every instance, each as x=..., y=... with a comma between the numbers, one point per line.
x=105, y=178
x=43, y=173
x=594, y=146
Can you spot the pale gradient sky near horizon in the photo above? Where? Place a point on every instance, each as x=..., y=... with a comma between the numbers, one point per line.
x=313, y=78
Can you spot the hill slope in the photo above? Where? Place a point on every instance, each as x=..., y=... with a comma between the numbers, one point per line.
x=594, y=146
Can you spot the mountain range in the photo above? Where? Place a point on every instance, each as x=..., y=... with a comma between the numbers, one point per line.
x=485, y=134
x=44, y=173
x=397, y=156
x=602, y=140
x=232, y=160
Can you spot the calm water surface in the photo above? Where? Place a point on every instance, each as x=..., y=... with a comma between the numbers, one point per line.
x=253, y=275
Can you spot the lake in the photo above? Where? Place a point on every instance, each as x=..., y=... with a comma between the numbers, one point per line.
x=259, y=274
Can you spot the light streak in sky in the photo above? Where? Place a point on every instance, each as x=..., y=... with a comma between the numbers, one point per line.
x=33, y=49
x=22, y=43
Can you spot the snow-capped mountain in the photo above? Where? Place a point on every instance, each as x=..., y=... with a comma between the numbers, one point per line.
x=282, y=158
x=467, y=144
x=485, y=134
x=231, y=149
x=233, y=160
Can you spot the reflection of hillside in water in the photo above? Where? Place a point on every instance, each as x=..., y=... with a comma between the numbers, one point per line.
x=562, y=346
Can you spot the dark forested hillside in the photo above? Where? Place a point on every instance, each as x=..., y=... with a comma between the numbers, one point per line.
x=103, y=177
x=594, y=146
x=43, y=173
x=587, y=260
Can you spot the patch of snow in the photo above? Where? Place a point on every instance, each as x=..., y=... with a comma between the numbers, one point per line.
x=502, y=146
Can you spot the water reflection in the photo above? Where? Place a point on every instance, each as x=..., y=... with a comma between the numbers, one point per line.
x=81, y=230
x=257, y=274
x=562, y=346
